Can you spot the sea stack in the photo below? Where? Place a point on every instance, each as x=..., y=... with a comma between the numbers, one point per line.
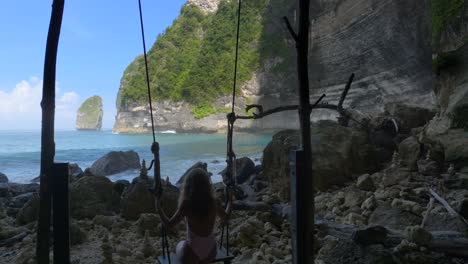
x=89, y=115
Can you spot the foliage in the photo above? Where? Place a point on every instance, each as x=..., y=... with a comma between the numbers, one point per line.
x=202, y=111
x=443, y=13
x=193, y=60
x=91, y=109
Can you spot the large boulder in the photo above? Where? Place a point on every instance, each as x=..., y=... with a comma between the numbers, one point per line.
x=338, y=153
x=91, y=196
x=410, y=151
x=409, y=116
x=3, y=178
x=29, y=212
x=245, y=167
x=455, y=144
x=115, y=162
x=137, y=199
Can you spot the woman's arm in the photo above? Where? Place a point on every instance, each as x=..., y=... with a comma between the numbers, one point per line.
x=175, y=219
x=224, y=213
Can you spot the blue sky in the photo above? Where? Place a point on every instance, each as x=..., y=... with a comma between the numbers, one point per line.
x=98, y=41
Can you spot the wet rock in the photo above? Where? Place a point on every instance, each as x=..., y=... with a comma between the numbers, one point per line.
x=365, y=183
x=3, y=178
x=115, y=162
x=410, y=151
x=198, y=165
x=418, y=235
x=74, y=171
x=91, y=196
x=29, y=212
x=245, y=167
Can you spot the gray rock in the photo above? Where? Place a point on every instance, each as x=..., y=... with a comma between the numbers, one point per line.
x=393, y=218
x=354, y=197
x=74, y=170
x=77, y=235
x=418, y=235
x=115, y=162
x=148, y=223
x=91, y=196
x=338, y=152
x=428, y=167
x=410, y=116
x=120, y=186
x=20, y=200
x=136, y=200
x=245, y=167
x=393, y=176
x=29, y=212
x=455, y=144
x=365, y=183
x=3, y=178
x=409, y=151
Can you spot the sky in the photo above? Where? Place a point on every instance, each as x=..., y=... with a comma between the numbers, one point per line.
x=99, y=39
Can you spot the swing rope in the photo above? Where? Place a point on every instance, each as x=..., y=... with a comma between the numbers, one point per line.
x=230, y=180
x=155, y=145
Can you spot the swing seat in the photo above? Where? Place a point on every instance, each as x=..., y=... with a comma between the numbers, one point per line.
x=221, y=256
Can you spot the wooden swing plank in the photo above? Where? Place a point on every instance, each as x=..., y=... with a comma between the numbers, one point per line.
x=221, y=256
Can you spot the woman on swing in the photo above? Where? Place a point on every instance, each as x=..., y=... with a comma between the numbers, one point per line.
x=199, y=207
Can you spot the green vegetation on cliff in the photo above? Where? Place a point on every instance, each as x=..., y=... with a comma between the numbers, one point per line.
x=193, y=60
x=443, y=13
x=90, y=113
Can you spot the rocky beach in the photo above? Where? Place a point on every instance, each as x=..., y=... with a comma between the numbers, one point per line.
x=387, y=192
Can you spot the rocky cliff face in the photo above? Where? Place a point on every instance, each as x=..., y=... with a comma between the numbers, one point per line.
x=89, y=115
x=209, y=6
x=386, y=43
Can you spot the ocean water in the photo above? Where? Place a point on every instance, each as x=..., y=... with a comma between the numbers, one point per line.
x=20, y=151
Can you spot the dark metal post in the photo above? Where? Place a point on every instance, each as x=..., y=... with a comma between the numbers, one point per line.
x=60, y=213
x=304, y=179
x=47, y=135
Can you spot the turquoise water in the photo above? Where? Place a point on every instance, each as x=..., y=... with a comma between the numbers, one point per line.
x=20, y=151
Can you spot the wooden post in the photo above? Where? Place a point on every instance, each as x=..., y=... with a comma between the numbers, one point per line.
x=47, y=135
x=303, y=186
x=60, y=213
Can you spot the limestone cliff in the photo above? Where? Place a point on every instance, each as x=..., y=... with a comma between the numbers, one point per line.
x=89, y=115
x=386, y=43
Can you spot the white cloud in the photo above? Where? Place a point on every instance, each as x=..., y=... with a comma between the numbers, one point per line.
x=20, y=107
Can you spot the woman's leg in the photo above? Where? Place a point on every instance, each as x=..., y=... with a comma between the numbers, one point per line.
x=185, y=254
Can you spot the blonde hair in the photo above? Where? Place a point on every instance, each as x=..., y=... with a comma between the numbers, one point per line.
x=197, y=193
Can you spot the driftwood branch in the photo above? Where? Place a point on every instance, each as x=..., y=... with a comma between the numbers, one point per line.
x=447, y=206
x=317, y=105
x=448, y=242
x=430, y=205
x=12, y=240
x=251, y=206
x=290, y=29
x=345, y=92
x=262, y=114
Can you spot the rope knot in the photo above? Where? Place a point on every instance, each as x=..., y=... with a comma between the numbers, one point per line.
x=231, y=117
x=155, y=148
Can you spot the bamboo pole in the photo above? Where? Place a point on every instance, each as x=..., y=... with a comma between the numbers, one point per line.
x=47, y=134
